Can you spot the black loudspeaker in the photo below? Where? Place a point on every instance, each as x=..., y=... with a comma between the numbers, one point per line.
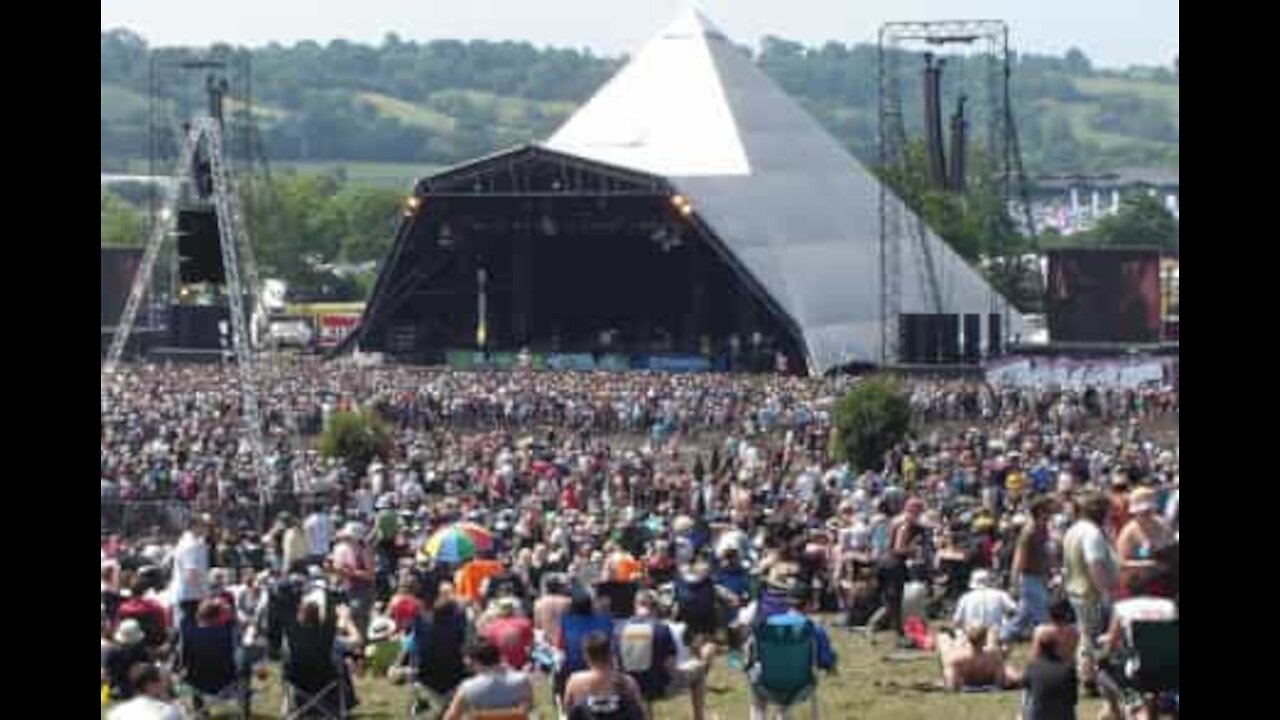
x=906, y=339
x=199, y=251
x=931, y=347
x=972, y=338
x=196, y=327
x=995, y=336
x=949, y=339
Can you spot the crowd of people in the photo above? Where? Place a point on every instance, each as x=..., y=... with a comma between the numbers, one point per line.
x=621, y=533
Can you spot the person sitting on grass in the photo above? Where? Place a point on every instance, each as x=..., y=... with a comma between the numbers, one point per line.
x=970, y=662
x=493, y=686
x=150, y=700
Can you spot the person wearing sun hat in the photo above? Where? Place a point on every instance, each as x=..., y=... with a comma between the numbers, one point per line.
x=127, y=649
x=353, y=562
x=1141, y=538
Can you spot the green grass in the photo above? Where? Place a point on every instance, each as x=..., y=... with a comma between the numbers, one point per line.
x=507, y=110
x=1145, y=89
x=120, y=104
x=867, y=687
x=393, y=175
x=409, y=113
x=1079, y=116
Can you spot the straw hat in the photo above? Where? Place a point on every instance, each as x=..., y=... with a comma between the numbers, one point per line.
x=1142, y=500
x=381, y=629
x=129, y=633
x=979, y=580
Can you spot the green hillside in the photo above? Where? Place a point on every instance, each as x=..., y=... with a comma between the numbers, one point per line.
x=385, y=111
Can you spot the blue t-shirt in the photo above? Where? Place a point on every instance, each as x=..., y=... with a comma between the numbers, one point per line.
x=735, y=580
x=573, y=630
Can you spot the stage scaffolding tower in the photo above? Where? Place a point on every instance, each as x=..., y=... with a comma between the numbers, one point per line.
x=898, y=43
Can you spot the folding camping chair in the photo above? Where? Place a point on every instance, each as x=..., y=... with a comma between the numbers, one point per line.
x=781, y=668
x=316, y=682
x=210, y=673
x=1153, y=668
x=312, y=703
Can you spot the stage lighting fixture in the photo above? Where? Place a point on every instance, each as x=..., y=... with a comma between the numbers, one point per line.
x=682, y=205
x=547, y=226
x=411, y=205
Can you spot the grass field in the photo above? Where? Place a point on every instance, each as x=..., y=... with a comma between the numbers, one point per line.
x=393, y=175
x=867, y=687
x=409, y=113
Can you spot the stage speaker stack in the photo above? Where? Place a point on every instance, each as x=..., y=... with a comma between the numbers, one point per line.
x=931, y=349
x=196, y=327
x=199, y=249
x=949, y=339
x=995, y=336
x=972, y=338
x=907, y=339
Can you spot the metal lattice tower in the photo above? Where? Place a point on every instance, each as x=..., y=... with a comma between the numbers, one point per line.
x=897, y=227
x=234, y=244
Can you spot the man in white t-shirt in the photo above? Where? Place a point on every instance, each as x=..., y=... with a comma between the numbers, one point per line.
x=318, y=528
x=983, y=605
x=190, y=583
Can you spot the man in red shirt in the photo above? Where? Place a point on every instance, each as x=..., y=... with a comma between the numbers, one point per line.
x=511, y=632
x=405, y=605
x=149, y=613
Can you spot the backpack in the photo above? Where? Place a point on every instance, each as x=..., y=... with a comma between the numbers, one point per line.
x=781, y=661
x=697, y=603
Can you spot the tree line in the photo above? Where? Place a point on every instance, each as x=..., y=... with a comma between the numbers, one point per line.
x=445, y=101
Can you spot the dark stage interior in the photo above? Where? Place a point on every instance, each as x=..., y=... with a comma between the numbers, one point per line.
x=624, y=273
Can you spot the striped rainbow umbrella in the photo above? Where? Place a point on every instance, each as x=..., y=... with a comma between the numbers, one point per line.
x=458, y=543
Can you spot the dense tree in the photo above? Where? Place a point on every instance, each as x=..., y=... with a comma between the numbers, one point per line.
x=122, y=223
x=870, y=420
x=1142, y=221
x=493, y=94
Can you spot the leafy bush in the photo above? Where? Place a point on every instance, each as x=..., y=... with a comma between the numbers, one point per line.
x=356, y=439
x=870, y=420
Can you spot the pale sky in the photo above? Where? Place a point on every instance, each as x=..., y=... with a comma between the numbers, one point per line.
x=1113, y=33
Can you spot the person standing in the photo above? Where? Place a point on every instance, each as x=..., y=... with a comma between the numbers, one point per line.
x=318, y=528
x=1090, y=579
x=1030, y=573
x=355, y=573
x=1141, y=538
x=906, y=544
x=190, y=582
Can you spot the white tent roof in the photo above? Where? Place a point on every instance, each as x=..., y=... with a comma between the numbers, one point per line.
x=798, y=211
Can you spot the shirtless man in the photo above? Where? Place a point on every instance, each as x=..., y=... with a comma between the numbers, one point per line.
x=1060, y=631
x=549, y=608
x=601, y=690
x=971, y=662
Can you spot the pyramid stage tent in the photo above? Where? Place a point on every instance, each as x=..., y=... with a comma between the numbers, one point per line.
x=690, y=200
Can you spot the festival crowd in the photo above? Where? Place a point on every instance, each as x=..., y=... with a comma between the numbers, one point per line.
x=620, y=533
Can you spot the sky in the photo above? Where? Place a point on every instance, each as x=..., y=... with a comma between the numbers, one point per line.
x=1113, y=33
